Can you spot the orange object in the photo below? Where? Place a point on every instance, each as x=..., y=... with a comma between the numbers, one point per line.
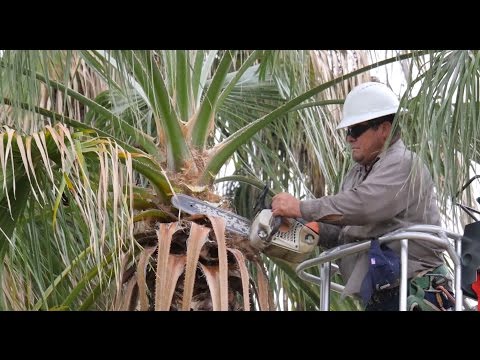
x=476, y=288
x=313, y=226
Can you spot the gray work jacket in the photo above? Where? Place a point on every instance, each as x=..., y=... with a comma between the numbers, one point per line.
x=397, y=191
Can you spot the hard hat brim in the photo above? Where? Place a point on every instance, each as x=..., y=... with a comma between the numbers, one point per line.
x=357, y=119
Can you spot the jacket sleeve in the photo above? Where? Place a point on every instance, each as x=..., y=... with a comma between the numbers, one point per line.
x=386, y=192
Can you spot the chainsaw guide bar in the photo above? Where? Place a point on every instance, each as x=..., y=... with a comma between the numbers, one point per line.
x=233, y=222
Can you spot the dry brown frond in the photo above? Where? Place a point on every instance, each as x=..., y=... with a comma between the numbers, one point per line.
x=198, y=267
x=264, y=296
x=198, y=237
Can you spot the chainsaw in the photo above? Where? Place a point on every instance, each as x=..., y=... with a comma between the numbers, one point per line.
x=291, y=239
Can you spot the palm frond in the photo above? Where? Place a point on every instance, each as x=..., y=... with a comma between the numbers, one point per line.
x=445, y=110
x=57, y=165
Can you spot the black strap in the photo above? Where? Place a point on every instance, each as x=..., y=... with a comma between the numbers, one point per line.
x=370, y=169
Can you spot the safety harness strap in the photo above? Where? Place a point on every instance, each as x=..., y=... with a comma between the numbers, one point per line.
x=431, y=291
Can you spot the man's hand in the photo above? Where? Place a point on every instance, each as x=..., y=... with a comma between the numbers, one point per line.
x=286, y=205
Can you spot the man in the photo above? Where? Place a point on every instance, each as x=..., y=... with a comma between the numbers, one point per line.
x=387, y=189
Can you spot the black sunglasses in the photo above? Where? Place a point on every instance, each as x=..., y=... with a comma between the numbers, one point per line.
x=356, y=131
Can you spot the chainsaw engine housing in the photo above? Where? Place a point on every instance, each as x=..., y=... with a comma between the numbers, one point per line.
x=293, y=245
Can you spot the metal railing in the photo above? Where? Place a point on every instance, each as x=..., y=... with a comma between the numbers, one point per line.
x=428, y=233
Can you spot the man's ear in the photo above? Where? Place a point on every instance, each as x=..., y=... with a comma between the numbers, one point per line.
x=386, y=127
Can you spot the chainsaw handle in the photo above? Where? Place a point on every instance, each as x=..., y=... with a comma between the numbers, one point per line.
x=275, y=224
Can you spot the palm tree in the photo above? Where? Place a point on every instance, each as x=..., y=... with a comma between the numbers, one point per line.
x=97, y=142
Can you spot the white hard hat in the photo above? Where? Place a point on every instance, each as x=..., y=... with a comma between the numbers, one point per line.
x=368, y=101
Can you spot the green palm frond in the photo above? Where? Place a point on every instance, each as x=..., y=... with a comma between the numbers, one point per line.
x=57, y=166
x=442, y=125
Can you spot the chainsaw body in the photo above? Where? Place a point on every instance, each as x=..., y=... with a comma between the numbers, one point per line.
x=293, y=241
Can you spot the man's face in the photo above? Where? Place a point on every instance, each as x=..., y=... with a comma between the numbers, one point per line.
x=366, y=146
